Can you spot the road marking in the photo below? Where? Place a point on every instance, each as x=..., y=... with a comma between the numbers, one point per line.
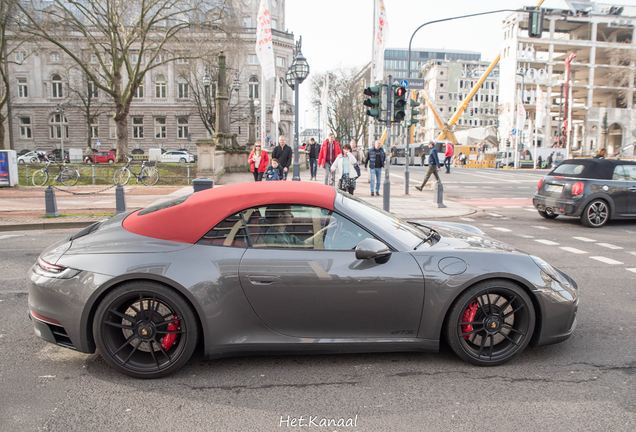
x=526, y=209
x=633, y=253
x=501, y=229
x=584, y=239
x=573, y=250
x=9, y=236
x=540, y=227
x=488, y=225
x=633, y=270
x=491, y=214
x=467, y=219
x=546, y=242
x=605, y=260
x=525, y=236
x=609, y=246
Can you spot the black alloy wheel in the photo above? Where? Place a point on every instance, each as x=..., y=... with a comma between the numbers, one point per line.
x=490, y=323
x=596, y=214
x=548, y=214
x=145, y=330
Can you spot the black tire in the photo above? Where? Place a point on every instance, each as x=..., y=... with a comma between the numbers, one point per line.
x=121, y=176
x=499, y=305
x=40, y=177
x=69, y=177
x=548, y=214
x=20, y=161
x=131, y=328
x=596, y=214
x=149, y=176
x=182, y=161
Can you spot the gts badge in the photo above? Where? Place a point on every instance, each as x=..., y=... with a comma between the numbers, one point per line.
x=402, y=332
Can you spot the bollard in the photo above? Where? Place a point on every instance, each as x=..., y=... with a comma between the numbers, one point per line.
x=438, y=194
x=50, y=202
x=120, y=199
x=202, y=184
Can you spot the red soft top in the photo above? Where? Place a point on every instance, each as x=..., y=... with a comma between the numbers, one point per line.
x=189, y=221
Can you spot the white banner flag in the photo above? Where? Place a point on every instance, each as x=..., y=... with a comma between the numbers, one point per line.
x=541, y=106
x=264, y=46
x=276, y=109
x=324, y=100
x=380, y=39
x=521, y=117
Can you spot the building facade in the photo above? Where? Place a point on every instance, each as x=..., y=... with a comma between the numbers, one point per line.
x=396, y=59
x=163, y=114
x=598, y=40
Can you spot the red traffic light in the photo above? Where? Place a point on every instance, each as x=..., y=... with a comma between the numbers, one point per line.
x=400, y=91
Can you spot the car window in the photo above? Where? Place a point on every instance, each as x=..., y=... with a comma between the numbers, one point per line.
x=630, y=172
x=568, y=169
x=229, y=232
x=619, y=173
x=301, y=227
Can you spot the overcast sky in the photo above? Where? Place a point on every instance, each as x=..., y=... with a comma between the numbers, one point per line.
x=338, y=33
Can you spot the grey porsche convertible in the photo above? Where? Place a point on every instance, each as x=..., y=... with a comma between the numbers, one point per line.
x=290, y=267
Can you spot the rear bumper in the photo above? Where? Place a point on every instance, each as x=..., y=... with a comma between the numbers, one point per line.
x=567, y=207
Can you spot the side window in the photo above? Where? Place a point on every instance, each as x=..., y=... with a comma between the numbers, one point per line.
x=228, y=232
x=630, y=172
x=619, y=173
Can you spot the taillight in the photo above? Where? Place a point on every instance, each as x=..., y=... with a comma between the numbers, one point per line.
x=54, y=271
x=577, y=188
x=540, y=183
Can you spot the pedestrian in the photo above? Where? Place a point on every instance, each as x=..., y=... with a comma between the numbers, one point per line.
x=314, y=151
x=329, y=151
x=89, y=155
x=548, y=161
x=601, y=154
x=344, y=167
x=433, y=166
x=283, y=154
x=539, y=162
x=355, y=151
x=258, y=160
x=448, y=155
x=375, y=161
x=273, y=172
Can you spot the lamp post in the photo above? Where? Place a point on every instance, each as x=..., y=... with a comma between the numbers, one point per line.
x=236, y=86
x=518, y=135
x=207, y=82
x=296, y=74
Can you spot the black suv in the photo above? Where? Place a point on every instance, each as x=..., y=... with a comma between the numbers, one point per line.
x=593, y=189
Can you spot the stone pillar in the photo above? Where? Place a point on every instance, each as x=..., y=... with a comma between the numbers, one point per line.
x=222, y=121
x=206, y=150
x=252, y=130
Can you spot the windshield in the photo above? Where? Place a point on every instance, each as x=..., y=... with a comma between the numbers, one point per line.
x=401, y=230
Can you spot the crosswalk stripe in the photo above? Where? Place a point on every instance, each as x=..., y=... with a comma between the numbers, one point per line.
x=540, y=227
x=491, y=214
x=464, y=219
x=525, y=236
x=573, y=250
x=605, y=260
x=546, y=242
x=502, y=229
x=633, y=270
x=609, y=246
x=584, y=239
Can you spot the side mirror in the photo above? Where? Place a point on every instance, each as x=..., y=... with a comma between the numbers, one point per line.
x=372, y=249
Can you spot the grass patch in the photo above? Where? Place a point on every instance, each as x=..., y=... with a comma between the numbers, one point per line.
x=79, y=215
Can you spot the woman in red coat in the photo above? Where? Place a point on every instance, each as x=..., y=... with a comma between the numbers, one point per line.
x=258, y=161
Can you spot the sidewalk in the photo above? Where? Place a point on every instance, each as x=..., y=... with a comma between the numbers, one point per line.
x=23, y=208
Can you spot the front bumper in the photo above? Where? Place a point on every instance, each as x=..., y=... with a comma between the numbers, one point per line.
x=560, y=206
x=559, y=305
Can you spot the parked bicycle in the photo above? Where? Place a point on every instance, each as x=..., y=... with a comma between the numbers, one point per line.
x=148, y=174
x=68, y=176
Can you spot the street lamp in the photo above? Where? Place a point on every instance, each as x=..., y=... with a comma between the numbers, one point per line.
x=296, y=74
x=516, y=123
x=236, y=86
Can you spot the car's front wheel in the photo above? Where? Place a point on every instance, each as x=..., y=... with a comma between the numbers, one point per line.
x=596, y=214
x=145, y=330
x=490, y=323
x=548, y=214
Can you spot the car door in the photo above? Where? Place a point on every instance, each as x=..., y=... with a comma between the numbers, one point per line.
x=617, y=189
x=630, y=176
x=302, y=278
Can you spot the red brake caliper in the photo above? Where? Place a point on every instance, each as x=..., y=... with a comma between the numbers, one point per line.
x=169, y=338
x=469, y=316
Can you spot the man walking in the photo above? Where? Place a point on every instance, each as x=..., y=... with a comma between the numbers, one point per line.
x=329, y=151
x=448, y=155
x=283, y=154
x=433, y=166
x=355, y=151
x=375, y=161
x=313, y=150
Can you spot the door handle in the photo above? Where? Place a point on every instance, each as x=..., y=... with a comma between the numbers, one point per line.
x=263, y=280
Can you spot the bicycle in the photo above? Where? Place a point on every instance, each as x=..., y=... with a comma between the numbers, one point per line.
x=148, y=174
x=67, y=176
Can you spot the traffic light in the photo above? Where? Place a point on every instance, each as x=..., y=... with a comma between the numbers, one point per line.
x=374, y=102
x=535, y=18
x=399, y=103
x=414, y=113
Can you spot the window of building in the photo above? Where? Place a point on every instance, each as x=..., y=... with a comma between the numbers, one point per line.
x=55, y=126
x=481, y=98
x=253, y=88
x=486, y=98
x=20, y=57
x=182, y=127
x=134, y=58
x=183, y=88
x=113, y=128
x=23, y=90
x=25, y=128
x=280, y=61
x=94, y=127
x=461, y=96
x=441, y=97
x=93, y=59
x=55, y=57
x=159, y=58
x=56, y=86
x=160, y=87
x=252, y=59
x=461, y=83
x=160, y=127
x=247, y=22
x=138, y=127
x=93, y=91
x=274, y=24
x=139, y=93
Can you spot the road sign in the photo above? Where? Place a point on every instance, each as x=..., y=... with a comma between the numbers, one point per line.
x=514, y=132
x=413, y=83
x=99, y=142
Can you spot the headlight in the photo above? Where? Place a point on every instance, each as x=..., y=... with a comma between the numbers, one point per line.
x=54, y=271
x=549, y=273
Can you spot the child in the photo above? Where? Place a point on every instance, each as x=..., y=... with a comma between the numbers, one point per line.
x=273, y=171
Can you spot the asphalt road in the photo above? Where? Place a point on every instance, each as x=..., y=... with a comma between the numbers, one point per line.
x=585, y=383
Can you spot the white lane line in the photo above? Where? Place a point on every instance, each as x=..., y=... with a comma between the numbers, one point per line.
x=605, y=260
x=525, y=236
x=501, y=229
x=573, y=250
x=9, y=236
x=584, y=239
x=488, y=225
x=633, y=270
x=470, y=187
x=547, y=242
x=609, y=246
x=467, y=219
x=524, y=187
x=540, y=227
x=530, y=209
x=632, y=252
x=495, y=214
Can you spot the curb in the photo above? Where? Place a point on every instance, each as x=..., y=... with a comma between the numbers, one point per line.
x=45, y=226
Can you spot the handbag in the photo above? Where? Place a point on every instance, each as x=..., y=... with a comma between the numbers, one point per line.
x=357, y=168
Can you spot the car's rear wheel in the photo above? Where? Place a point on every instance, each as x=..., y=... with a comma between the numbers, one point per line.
x=145, y=330
x=490, y=323
x=596, y=214
x=182, y=161
x=548, y=214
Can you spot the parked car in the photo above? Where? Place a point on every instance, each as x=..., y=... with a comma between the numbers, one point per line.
x=177, y=156
x=596, y=190
x=105, y=156
x=30, y=157
x=290, y=267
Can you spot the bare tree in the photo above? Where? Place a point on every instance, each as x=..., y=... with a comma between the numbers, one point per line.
x=116, y=42
x=619, y=72
x=346, y=113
